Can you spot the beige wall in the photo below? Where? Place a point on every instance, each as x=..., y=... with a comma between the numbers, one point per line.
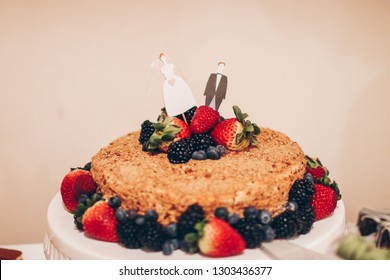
x=74, y=75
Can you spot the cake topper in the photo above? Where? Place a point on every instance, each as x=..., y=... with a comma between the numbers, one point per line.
x=178, y=97
x=216, y=87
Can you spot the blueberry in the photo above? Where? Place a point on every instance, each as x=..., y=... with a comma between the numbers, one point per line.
x=131, y=214
x=120, y=214
x=292, y=206
x=233, y=218
x=269, y=233
x=221, y=150
x=167, y=248
x=309, y=177
x=140, y=220
x=199, y=155
x=221, y=212
x=264, y=217
x=114, y=202
x=251, y=212
x=151, y=215
x=175, y=243
x=171, y=230
x=212, y=153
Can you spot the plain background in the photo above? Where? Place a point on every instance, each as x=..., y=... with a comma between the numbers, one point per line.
x=75, y=75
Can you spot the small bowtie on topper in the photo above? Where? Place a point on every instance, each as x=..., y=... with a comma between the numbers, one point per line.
x=215, y=91
x=177, y=94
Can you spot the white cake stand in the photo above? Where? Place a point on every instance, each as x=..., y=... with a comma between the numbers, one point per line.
x=63, y=241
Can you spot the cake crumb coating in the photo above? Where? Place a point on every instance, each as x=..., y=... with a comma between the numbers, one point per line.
x=259, y=176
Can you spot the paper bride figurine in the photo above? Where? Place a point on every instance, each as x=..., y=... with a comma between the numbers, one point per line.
x=216, y=87
x=178, y=97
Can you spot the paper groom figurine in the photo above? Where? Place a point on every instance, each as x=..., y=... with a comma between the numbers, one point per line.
x=216, y=87
x=178, y=97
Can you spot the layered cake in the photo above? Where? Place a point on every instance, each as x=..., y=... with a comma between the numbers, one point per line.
x=197, y=192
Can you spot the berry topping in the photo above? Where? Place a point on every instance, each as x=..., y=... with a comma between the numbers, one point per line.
x=306, y=217
x=100, y=223
x=167, y=131
x=187, y=221
x=114, y=202
x=199, y=155
x=205, y=118
x=151, y=215
x=221, y=150
x=212, y=153
x=324, y=201
x=188, y=115
x=75, y=183
x=219, y=239
x=301, y=192
x=264, y=217
x=251, y=231
x=128, y=231
x=251, y=212
x=286, y=225
x=147, y=129
x=180, y=152
x=151, y=235
x=222, y=213
x=236, y=133
x=202, y=141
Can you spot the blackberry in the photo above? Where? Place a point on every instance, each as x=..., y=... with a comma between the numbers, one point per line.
x=202, y=141
x=147, y=130
x=180, y=151
x=151, y=235
x=301, y=192
x=306, y=216
x=251, y=231
x=128, y=231
x=187, y=221
x=189, y=114
x=286, y=225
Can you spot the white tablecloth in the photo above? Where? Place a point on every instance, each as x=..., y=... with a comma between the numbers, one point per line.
x=32, y=251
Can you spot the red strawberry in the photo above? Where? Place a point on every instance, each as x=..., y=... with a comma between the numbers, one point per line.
x=167, y=131
x=236, y=133
x=317, y=172
x=324, y=201
x=99, y=222
x=219, y=239
x=204, y=119
x=76, y=182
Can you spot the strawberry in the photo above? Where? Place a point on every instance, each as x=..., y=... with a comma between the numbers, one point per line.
x=317, y=172
x=204, y=119
x=167, y=131
x=99, y=222
x=75, y=183
x=219, y=239
x=236, y=133
x=324, y=201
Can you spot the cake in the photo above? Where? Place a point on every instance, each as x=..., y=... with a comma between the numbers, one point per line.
x=196, y=181
x=260, y=176
x=216, y=187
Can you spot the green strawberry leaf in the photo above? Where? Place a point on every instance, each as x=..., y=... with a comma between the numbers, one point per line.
x=168, y=137
x=159, y=126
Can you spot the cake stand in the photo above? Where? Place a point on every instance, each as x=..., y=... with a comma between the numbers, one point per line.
x=63, y=241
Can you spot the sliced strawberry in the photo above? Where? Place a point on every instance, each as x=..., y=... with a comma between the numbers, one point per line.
x=219, y=239
x=76, y=182
x=204, y=119
x=236, y=133
x=99, y=222
x=324, y=201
